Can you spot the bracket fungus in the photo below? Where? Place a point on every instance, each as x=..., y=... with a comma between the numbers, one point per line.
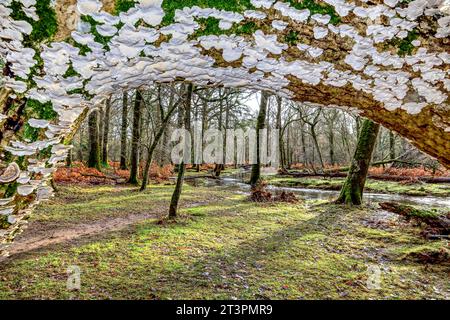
x=10, y=174
x=388, y=60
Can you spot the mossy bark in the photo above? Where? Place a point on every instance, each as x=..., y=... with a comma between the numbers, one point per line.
x=173, y=209
x=94, y=147
x=260, y=122
x=352, y=190
x=136, y=138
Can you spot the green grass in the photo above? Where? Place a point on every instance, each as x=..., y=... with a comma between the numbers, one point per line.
x=222, y=247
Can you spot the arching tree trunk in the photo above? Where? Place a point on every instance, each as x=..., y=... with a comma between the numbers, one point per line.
x=123, y=132
x=352, y=190
x=256, y=167
x=135, y=139
x=106, y=132
x=94, y=147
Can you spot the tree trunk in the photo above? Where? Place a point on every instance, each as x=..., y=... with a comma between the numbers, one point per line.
x=352, y=190
x=152, y=148
x=316, y=144
x=101, y=122
x=173, y=209
x=135, y=139
x=182, y=167
x=218, y=166
x=280, y=134
x=260, y=122
x=391, y=145
x=305, y=156
x=69, y=159
x=106, y=132
x=331, y=142
x=94, y=147
x=80, y=149
x=123, y=132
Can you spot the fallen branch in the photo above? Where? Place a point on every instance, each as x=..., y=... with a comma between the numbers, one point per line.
x=438, y=222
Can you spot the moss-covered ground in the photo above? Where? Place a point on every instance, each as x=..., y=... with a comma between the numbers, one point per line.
x=412, y=189
x=222, y=246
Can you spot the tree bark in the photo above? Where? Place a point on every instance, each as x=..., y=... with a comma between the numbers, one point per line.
x=136, y=137
x=173, y=209
x=106, y=132
x=260, y=122
x=218, y=166
x=391, y=145
x=278, y=126
x=94, y=147
x=352, y=190
x=123, y=132
x=153, y=146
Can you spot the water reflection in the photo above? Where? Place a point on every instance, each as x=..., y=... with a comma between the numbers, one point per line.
x=237, y=182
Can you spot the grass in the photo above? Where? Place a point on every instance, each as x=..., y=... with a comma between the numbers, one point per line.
x=415, y=189
x=222, y=247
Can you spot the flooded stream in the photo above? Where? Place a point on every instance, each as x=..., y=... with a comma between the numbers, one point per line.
x=237, y=183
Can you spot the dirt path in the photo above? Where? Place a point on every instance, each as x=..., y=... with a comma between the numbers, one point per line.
x=32, y=241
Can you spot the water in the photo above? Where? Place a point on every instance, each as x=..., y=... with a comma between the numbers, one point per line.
x=236, y=181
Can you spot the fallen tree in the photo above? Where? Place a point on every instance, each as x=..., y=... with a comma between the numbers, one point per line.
x=438, y=224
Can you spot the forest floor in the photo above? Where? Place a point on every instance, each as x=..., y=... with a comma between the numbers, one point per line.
x=222, y=246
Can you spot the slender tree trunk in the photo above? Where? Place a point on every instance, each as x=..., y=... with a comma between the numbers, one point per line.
x=101, y=122
x=391, y=145
x=182, y=167
x=305, y=156
x=136, y=139
x=94, y=148
x=256, y=167
x=69, y=159
x=173, y=209
x=280, y=134
x=80, y=149
x=106, y=132
x=152, y=148
x=352, y=190
x=331, y=142
x=316, y=144
x=123, y=132
x=218, y=166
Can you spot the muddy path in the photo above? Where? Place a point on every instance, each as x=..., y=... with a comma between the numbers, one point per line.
x=38, y=238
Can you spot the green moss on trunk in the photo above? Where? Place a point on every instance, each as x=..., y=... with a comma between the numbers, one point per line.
x=352, y=191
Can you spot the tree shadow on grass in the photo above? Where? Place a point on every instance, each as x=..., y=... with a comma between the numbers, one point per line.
x=246, y=263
